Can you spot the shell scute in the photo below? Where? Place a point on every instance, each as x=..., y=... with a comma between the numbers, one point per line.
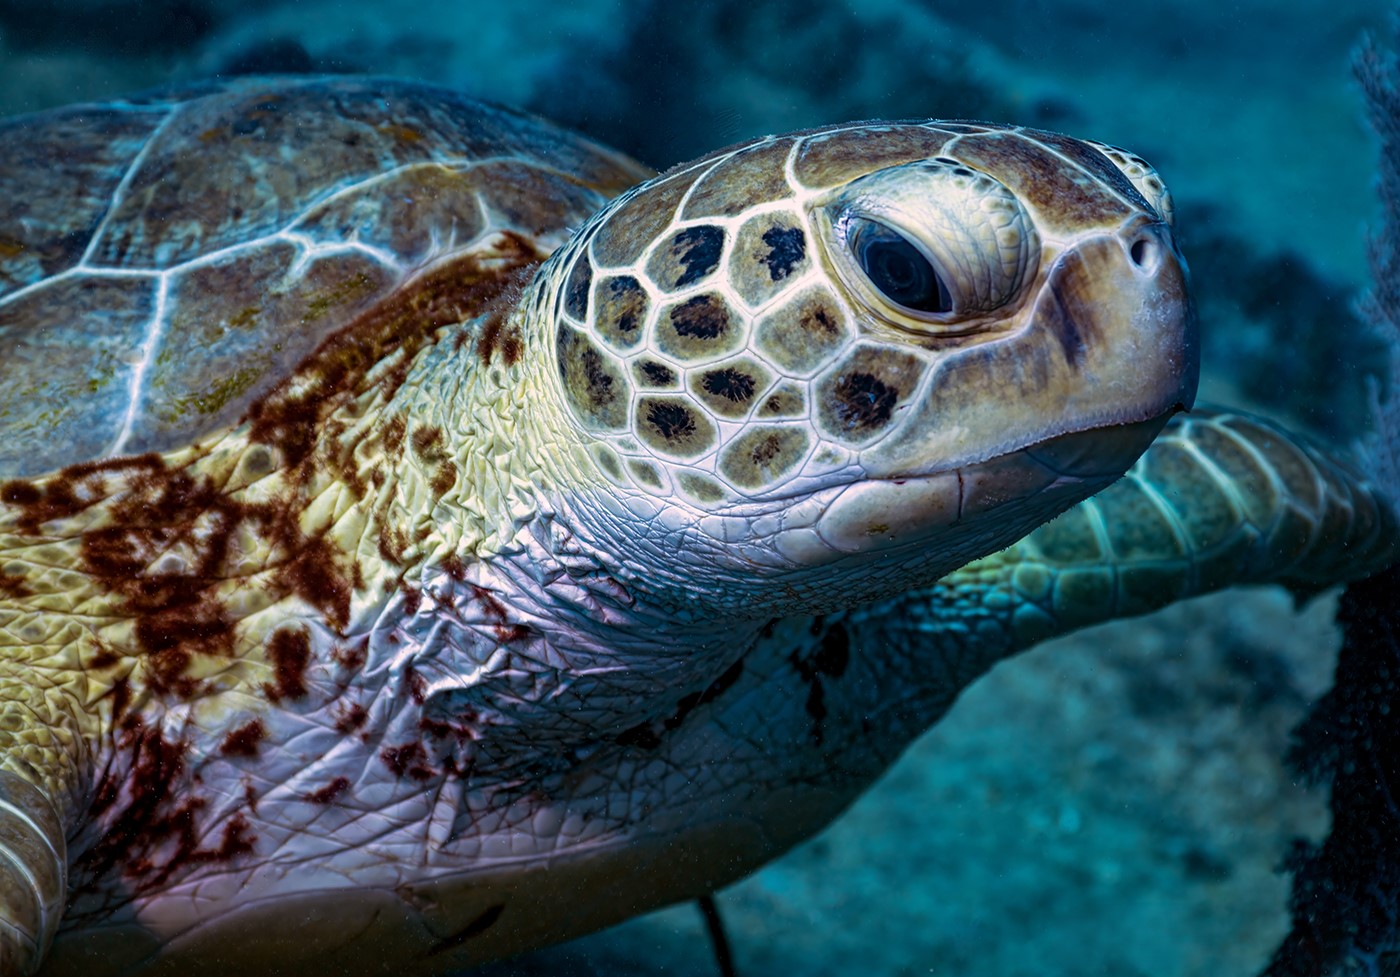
x=248, y=223
x=64, y=388
x=70, y=167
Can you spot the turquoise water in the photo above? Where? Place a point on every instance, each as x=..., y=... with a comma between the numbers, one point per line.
x=1114, y=803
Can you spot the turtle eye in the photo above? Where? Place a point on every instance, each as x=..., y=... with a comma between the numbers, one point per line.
x=897, y=267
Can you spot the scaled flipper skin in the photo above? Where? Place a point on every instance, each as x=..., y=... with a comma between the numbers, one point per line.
x=1219, y=499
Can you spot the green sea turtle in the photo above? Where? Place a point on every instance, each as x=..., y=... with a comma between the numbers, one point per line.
x=417, y=546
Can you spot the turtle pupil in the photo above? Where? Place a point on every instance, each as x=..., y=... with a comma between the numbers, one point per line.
x=898, y=269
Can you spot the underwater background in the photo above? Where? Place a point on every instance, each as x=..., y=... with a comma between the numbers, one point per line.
x=1114, y=802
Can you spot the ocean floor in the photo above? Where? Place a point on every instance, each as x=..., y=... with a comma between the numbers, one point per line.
x=1111, y=803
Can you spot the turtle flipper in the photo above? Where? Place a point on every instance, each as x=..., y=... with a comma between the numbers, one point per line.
x=1219, y=499
x=33, y=870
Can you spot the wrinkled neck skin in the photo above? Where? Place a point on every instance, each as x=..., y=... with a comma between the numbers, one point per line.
x=523, y=613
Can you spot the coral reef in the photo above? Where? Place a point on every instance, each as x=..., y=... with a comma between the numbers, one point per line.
x=1346, y=891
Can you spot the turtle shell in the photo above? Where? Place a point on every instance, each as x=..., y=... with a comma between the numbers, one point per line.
x=166, y=261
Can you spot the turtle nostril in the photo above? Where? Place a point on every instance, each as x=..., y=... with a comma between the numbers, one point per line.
x=1146, y=253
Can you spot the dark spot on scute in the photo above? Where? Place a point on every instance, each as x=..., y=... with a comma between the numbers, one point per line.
x=621, y=307
x=659, y=374
x=766, y=450
x=818, y=320
x=703, y=317
x=786, y=249
x=863, y=401
x=576, y=292
x=698, y=249
x=480, y=924
x=244, y=740
x=729, y=383
x=599, y=382
x=290, y=652
x=674, y=422
x=589, y=381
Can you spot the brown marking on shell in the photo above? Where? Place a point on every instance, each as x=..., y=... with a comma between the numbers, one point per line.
x=752, y=176
x=802, y=335
x=829, y=159
x=1039, y=179
x=620, y=305
x=244, y=740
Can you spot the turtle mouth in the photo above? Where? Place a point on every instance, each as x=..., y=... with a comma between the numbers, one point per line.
x=984, y=505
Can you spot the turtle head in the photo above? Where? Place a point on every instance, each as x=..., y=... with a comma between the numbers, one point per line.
x=816, y=369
